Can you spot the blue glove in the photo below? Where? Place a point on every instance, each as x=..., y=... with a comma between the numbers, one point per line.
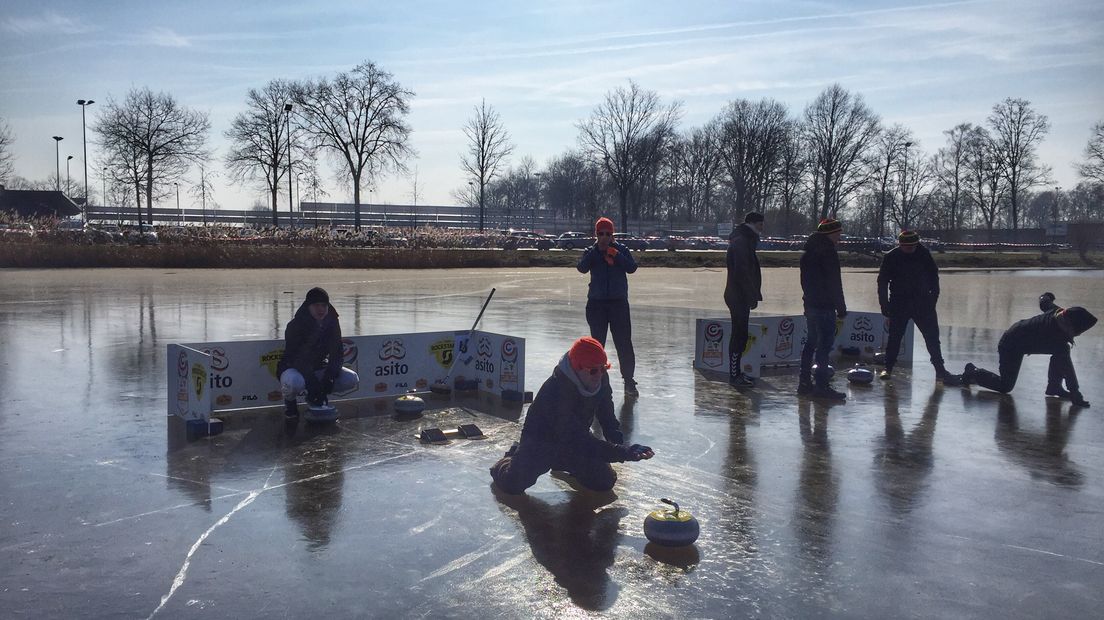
x=639, y=452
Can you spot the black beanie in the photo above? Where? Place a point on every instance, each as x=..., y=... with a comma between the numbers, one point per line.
x=1079, y=320
x=317, y=296
x=753, y=217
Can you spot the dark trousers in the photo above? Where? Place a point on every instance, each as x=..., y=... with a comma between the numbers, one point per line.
x=1011, y=358
x=818, y=344
x=519, y=471
x=927, y=323
x=613, y=315
x=737, y=340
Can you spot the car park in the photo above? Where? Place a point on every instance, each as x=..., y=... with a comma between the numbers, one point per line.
x=517, y=239
x=17, y=231
x=574, y=241
x=631, y=241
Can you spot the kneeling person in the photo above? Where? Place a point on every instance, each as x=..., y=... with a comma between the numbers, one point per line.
x=1050, y=333
x=556, y=434
x=312, y=355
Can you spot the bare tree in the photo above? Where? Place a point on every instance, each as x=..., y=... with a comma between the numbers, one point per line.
x=839, y=129
x=750, y=139
x=573, y=186
x=1017, y=131
x=793, y=165
x=951, y=168
x=359, y=117
x=626, y=135
x=986, y=187
x=204, y=191
x=7, y=165
x=914, y=181
x=154, y=137
x=697, y=169
x=1093, y=167
x=888, y=150
x=260, y=148
x=488, y=149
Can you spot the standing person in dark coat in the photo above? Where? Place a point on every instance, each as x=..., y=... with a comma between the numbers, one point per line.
x=822, y=288
x=312, y=355
x=743, y=291
x=908, y=289
x=609, y=264
x=1050, y=333
x=556, y=434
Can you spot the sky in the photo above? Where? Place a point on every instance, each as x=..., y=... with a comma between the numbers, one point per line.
x=545, y=66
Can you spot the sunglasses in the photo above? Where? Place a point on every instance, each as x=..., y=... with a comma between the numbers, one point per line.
x=605, y=234
x=597, y=370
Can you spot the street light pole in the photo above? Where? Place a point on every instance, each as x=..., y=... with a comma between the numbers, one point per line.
x=68, y=159
x=904, y=187
x=84, y=140
x=179, y=214
x=536, y=203
x=291, y=197
x=57, y=159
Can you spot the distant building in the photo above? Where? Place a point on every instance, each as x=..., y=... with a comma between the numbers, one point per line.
x=35, y=203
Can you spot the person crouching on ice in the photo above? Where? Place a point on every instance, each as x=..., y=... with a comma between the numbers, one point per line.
x=1050, y=333
x=312, y=355
x=556, y=434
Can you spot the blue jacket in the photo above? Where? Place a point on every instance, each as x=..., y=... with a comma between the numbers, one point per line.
x=607, y=281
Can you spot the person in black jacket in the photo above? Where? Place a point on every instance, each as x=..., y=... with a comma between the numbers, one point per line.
x=908, y=289
x=822, y=288
x=1050, y=333
x=743, y=291
x=312, y=355
x=556, y=434
x=607, y=309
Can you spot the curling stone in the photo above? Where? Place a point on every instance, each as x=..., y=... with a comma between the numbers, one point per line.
x=409, y=404
x=879, y=358
x=671, y=528
x=860, y=374
x=320, y=413
x=831, y=371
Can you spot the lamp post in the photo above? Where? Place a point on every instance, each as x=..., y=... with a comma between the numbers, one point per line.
x=904, y=188
x=68, y=159
x=291, y=197
x=203, y=193
x=1054, y=210
x=57, y=159
x=103, y=198
x=84, y=141
x=471, y=192
x=536, y=203
x=179, y=214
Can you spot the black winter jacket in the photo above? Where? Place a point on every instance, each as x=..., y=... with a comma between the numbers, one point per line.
x=562, y=415
x=908, y=282
x=821, y=281
x=310, y=346
x=745, y=278
x=1045, y=334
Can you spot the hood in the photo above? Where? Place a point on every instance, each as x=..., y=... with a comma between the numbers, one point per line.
x=303, y=313
x=743, y=229
x=565, y=369
x=1076, y=320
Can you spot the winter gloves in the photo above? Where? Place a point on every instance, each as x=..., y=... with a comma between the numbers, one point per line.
x=611, y=253
x=637, y=452
x=1046, y=301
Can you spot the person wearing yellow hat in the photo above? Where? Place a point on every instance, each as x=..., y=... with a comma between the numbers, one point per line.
x=908, y=289
x=556, y=434
x=609, y=262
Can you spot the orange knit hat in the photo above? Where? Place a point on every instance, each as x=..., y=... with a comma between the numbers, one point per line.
x=604, y=224
x=587, y=352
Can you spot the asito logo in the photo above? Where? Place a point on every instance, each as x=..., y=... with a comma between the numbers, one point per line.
x=863, y=324
x=484, y=348
x=392, y=351
x=862, y=330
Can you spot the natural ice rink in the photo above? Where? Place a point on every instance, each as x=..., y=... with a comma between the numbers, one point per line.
x=910, y=500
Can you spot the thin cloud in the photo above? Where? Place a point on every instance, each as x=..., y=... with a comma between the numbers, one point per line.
x=164, y=37
x=45, y=23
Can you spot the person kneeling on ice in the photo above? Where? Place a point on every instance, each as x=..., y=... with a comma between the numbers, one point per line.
x=556, y=434
x=1050, y=333
x=312, y=355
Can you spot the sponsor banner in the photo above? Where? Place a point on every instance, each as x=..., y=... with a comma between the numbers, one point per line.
x=711, y=348
x=783, y=337
x=189, y=373
x=242, y=374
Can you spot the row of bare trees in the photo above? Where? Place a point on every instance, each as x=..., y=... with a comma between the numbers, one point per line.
x=835, y=159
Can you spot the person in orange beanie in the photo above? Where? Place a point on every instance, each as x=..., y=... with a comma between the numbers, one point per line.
x=556, y=434
x=609, y=263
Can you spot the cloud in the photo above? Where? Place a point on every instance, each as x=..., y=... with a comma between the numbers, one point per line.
x=45, y=23
x=164, y=37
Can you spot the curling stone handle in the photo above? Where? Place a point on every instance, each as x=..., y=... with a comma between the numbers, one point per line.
x=667, y=501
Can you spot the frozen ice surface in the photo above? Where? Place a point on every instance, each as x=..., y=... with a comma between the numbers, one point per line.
x=908, y=500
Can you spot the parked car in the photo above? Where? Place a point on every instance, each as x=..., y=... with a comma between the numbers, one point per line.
x=631, y=241
x=17, y=232
x=104, y=233
x=574, y=241
x=516, y=239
